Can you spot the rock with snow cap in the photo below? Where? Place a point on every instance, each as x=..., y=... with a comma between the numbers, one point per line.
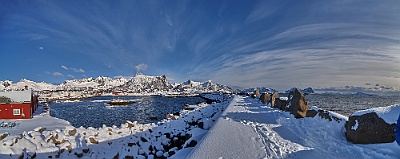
x=297, y=104
x=324, y=114
x=369, y=128
x=281, y=104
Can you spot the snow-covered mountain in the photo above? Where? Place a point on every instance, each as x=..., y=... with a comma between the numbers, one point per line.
x=190, y=86
x=306, y=91
x=99, y=83
x=145, y=84
x=26, y=84
x=137, y=84
x=261, y=89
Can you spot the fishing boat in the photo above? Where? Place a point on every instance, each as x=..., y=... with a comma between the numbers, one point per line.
x=121, y=102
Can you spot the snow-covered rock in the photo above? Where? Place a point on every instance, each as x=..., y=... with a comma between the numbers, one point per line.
x=389, y=113
x=324, y=114
x=374, y=125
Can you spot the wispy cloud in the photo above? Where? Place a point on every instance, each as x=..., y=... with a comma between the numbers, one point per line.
x=243, y=43
x=64, y=67
x=168, y=20
x=80, y=70
x=71, y=76
x=57, y=74
x=77, y=70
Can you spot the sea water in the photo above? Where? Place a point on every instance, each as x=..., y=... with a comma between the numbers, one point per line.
x=94, y=112
x=346, y=104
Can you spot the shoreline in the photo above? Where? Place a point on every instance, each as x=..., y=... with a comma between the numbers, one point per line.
x=97, y=141
x=201, y=132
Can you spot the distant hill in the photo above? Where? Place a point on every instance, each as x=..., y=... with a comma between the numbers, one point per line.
x=136, y=84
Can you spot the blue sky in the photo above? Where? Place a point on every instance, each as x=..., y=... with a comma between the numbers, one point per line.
x=279, y=44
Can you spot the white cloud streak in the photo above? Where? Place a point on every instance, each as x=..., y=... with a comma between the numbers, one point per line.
x=77, y=70
x=64, y=67
x=71, y=76
x=57, y=74
x=257, y=44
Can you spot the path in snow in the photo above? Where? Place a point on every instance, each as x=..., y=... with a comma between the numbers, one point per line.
x=249, y=129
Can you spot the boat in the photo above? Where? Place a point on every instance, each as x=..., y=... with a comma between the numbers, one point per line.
x=189, y=107
x=121, y=102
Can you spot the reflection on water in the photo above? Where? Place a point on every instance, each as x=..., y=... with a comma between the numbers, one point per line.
x=94, y=112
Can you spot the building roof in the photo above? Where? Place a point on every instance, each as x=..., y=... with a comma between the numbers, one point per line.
x=18, y=96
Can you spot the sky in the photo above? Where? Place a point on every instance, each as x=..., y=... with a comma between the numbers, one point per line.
x=268, y=43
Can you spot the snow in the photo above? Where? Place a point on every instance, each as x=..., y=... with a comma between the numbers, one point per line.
x=240, y=127
x=39, y=120
x=283, y=98
x=49, y=137
x=355, y=127
x=18, y=96
x=390, y=114
x=249, y=129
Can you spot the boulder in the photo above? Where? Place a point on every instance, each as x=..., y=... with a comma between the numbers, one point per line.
x=281, y=104
x=2, y=136
x=311, y=113
x=274, y=97
x=369, y=128
x=93, y=141
x=72, y=132
x=255, y=94
x=323, y=114
x=297, y=104
x=265, y=97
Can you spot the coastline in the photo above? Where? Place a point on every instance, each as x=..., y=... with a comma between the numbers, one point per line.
x=53, y=141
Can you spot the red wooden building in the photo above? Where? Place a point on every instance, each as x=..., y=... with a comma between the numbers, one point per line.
x=22, y=105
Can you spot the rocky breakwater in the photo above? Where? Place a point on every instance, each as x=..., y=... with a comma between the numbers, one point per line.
x=295, y=103
x=372, y=126
x=179, y=133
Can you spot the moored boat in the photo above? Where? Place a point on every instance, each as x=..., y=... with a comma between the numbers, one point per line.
x=120, y=102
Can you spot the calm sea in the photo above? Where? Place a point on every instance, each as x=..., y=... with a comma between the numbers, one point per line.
x=346, y=104
x=94, y=112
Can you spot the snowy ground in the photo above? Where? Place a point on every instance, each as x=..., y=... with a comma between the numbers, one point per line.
x=249, y=129
x=246, y=129
x=39, y=119
x=49, y=137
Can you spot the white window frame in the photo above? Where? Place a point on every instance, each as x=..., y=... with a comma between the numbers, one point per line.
x=17, y=111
